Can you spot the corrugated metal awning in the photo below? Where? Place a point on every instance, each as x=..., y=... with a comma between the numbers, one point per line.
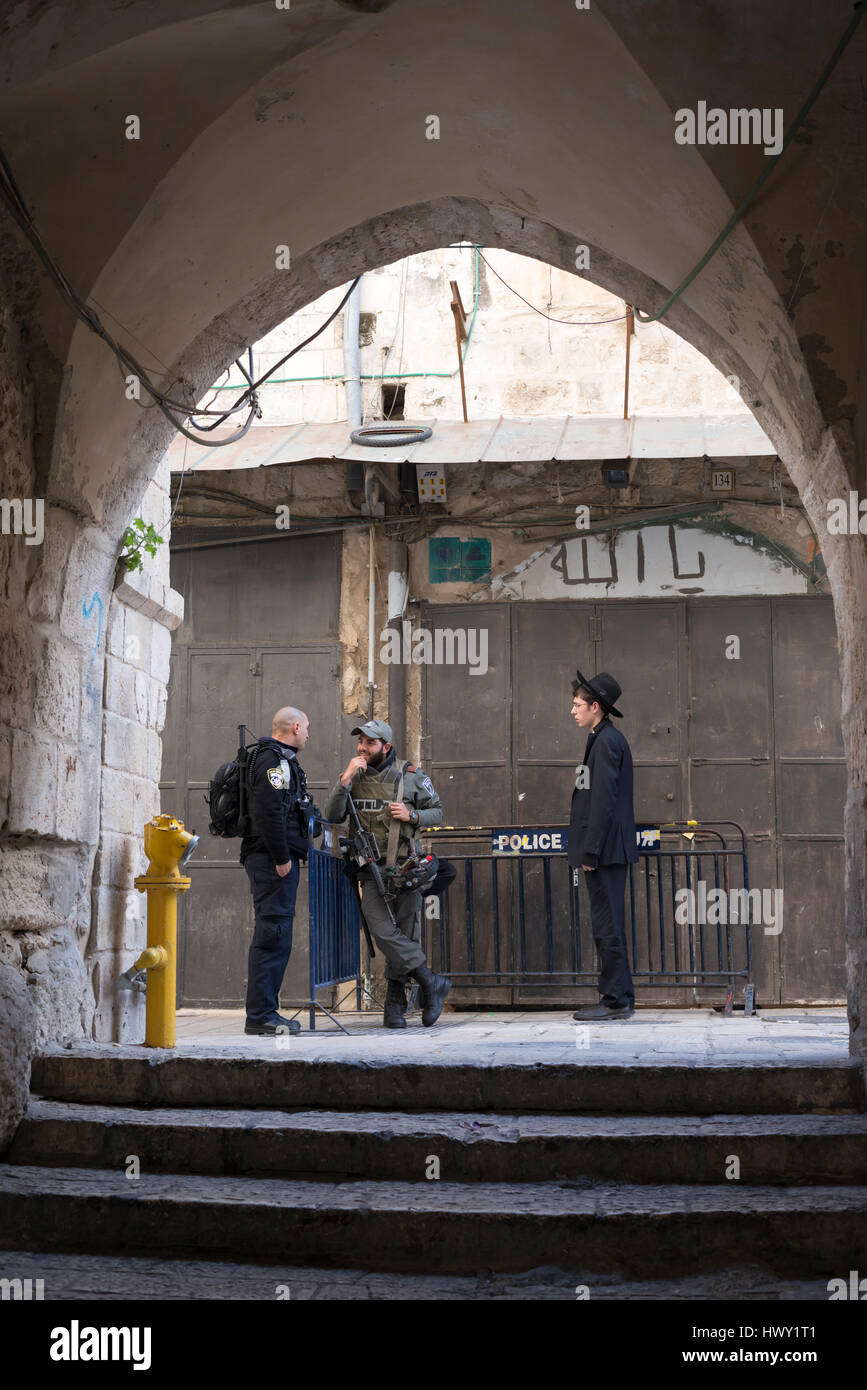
x=572, y=438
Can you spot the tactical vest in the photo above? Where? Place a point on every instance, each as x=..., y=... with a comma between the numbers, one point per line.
x=372, y=795
x=297, y=801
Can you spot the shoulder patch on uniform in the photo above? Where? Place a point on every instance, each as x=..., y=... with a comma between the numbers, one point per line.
x=428, y=785
x=275, y=777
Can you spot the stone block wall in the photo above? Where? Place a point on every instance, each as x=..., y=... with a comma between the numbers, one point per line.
x=50, y=695
x=143, y=612
x=82, y=701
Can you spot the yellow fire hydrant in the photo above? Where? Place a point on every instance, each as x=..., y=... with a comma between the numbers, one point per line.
x=168, y=847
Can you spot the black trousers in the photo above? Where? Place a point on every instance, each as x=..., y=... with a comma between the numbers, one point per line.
x=606, y=887
x=274, y=914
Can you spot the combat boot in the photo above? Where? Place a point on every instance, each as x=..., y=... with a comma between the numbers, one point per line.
x=433, y=989
x=395, y=1003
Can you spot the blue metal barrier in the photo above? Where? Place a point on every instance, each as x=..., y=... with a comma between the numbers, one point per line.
x=335, y=929
x=482, y=941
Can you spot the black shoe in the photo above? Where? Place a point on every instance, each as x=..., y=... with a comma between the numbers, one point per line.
x=433, y=990
x=395, y=1003
x=273, y=1028
x=598, y=1013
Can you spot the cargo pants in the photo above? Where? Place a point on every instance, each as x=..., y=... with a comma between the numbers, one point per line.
x=401, y=945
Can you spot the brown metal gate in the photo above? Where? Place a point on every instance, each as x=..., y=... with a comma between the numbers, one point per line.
x=260, y=631
x=753, y=738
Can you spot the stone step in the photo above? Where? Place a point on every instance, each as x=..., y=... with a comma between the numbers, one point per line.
x=470, y=1147
x=126, y=1075
x=459, y=1228
x=138, y=1279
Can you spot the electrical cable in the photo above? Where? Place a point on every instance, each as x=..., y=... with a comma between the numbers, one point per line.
x=178, y=493
x=254, y=400
x=380, y=376
x=223, y=495
x=804, y=264
x=12, y=197
x=254, y=385
x=769, y=167
x=401, y=319
x=389, y=436
x=402, y=334
x=578, y=323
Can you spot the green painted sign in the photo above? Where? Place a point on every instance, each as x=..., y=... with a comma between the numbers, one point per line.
x=453, y=561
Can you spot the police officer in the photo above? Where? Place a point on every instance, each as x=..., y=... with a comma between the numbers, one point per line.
x=279, y=806
x=388, y=792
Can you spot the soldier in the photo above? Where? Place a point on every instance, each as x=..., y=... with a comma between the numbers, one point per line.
x=279, y=806
x=390, y=793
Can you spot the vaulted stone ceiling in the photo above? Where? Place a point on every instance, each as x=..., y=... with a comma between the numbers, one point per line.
x=262, y=126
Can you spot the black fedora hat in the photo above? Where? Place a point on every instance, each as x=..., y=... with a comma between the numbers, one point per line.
x=606, y=690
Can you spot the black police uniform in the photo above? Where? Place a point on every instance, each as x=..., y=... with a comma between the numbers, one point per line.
x=280, y=808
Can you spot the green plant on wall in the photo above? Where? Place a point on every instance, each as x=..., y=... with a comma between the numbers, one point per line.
x=135, y=539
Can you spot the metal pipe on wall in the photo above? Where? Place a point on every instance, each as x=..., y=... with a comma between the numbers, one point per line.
x=371, y=617
x=398, y=578
x=630, y=329
x=352, y=377
x=352, y=357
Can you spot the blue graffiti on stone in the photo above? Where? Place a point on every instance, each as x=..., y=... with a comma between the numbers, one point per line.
x=87, y=609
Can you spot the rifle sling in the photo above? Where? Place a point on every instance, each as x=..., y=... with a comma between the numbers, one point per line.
x=394, y=828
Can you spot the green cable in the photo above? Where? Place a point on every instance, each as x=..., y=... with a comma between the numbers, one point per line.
x=768, y=170
x=389, y=376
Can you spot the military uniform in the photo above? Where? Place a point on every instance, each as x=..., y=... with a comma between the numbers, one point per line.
x=280, y=807
x=372, y=791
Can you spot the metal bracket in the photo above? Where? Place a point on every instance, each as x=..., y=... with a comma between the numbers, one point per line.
x=135, y=980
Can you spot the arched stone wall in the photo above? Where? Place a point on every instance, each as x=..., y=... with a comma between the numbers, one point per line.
x=304, y=151
x=783, y=406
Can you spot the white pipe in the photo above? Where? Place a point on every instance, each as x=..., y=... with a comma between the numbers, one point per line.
x=352, y=358
x=397, y=587
x=371, y=616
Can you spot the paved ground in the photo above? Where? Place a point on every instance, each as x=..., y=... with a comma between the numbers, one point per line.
x=95, y=1277
x=778, y=1037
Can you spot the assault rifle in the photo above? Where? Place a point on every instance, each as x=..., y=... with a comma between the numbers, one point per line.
x=362, y=852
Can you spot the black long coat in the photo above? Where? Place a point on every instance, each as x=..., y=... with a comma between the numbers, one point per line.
x=602, y=820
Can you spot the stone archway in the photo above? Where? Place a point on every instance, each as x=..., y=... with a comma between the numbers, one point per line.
x=810, y=452
x=188, y=271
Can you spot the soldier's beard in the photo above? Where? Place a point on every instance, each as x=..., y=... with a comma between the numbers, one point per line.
x=376, y=759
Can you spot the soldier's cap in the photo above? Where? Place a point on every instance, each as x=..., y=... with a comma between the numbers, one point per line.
x=375, y=728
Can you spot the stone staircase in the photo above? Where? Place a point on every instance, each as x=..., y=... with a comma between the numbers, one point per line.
x=453, y=1168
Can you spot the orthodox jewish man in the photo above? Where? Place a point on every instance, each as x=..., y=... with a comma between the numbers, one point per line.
x=602, y=838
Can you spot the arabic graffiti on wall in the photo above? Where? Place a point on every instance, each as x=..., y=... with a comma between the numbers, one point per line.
x=654, y=561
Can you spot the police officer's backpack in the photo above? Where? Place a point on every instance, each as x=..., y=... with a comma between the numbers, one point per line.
x=227, y=793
